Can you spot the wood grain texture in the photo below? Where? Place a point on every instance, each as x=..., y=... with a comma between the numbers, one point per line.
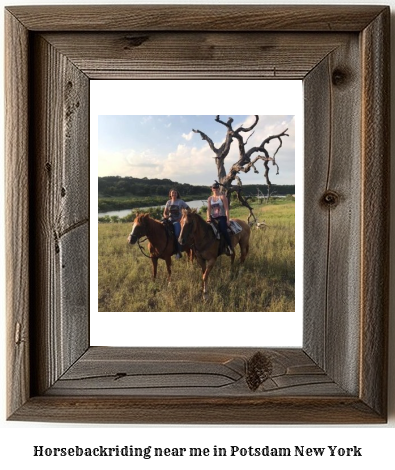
x=188, y=372
x=198, y=410
x=344, y=254
x=196, y=17
x=17, y=213
x=375, y=206
x=317, y=113
x=332, y=154
x=60, y=191
x=339, y=376
x=196, y=55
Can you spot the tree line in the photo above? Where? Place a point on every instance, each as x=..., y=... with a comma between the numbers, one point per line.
x=118, y=186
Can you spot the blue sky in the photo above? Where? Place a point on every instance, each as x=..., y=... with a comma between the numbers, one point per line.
x=164, y=146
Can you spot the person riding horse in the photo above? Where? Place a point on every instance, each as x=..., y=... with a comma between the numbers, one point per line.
x=173, y=212
x=218, y=210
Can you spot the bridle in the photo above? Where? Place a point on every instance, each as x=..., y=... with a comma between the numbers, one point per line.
x=142, y=249
x=190, y=230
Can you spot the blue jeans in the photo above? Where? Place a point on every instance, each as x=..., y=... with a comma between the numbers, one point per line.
x=177, y=230
x=223, y=228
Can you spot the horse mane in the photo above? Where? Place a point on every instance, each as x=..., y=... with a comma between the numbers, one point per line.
x=205, y=225
x=193, y=212
x=189, y=211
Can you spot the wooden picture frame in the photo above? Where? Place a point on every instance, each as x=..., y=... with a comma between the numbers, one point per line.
x=340, y=374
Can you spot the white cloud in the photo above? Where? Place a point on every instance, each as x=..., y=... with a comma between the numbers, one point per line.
x=189, y=163
x=196, y=165
x=129, y=163
x=188, y=136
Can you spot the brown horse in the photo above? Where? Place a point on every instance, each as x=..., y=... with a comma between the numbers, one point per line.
x=161, y=244
x=206, y=245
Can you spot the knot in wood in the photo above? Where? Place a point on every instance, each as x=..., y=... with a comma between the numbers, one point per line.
x=135, y=41
x=259, y=369
x=330, y=199
x=339, y=77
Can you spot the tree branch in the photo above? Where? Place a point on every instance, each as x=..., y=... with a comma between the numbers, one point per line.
x=248, y=129
x=207, y=139
x=261, y=147
x=242, y=199
x=244, y=163
x=226, y=124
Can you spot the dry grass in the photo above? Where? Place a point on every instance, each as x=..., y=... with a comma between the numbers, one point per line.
x=265, y=284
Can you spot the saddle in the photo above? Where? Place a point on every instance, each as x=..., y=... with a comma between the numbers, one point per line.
x=169, y=227
x=233, y=229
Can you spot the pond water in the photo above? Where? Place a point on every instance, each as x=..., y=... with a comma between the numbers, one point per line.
x=197, y=204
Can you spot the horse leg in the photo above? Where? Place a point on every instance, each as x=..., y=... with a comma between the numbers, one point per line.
x=202, y=264
x=168, y=266
x=244, y=247
x=210, y=265
x=232, y=257
x=154, y=267
x=189, y=253
x=192, y=255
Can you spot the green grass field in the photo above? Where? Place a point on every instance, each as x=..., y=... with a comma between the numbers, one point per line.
x=266, y=283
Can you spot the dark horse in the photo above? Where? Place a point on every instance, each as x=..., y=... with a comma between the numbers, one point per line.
x=206, y=245
x=161, y=243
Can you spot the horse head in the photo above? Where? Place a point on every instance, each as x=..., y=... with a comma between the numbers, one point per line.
x=139, y=228
x=187, y=223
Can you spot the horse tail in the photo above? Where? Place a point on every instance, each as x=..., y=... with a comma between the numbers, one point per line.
x=244, y=240
x=244, y=225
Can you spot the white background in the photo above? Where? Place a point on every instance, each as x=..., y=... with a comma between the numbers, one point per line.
x=116, y=97
x=17, y=439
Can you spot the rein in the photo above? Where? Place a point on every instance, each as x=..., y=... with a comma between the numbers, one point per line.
x=142, y=249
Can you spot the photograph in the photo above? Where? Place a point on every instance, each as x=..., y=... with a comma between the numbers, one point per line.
x=186, y=288
x=196, y=213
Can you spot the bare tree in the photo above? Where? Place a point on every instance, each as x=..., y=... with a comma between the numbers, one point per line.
x=247, y=158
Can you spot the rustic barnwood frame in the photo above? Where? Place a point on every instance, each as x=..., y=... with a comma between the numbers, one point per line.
x=340, y=373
